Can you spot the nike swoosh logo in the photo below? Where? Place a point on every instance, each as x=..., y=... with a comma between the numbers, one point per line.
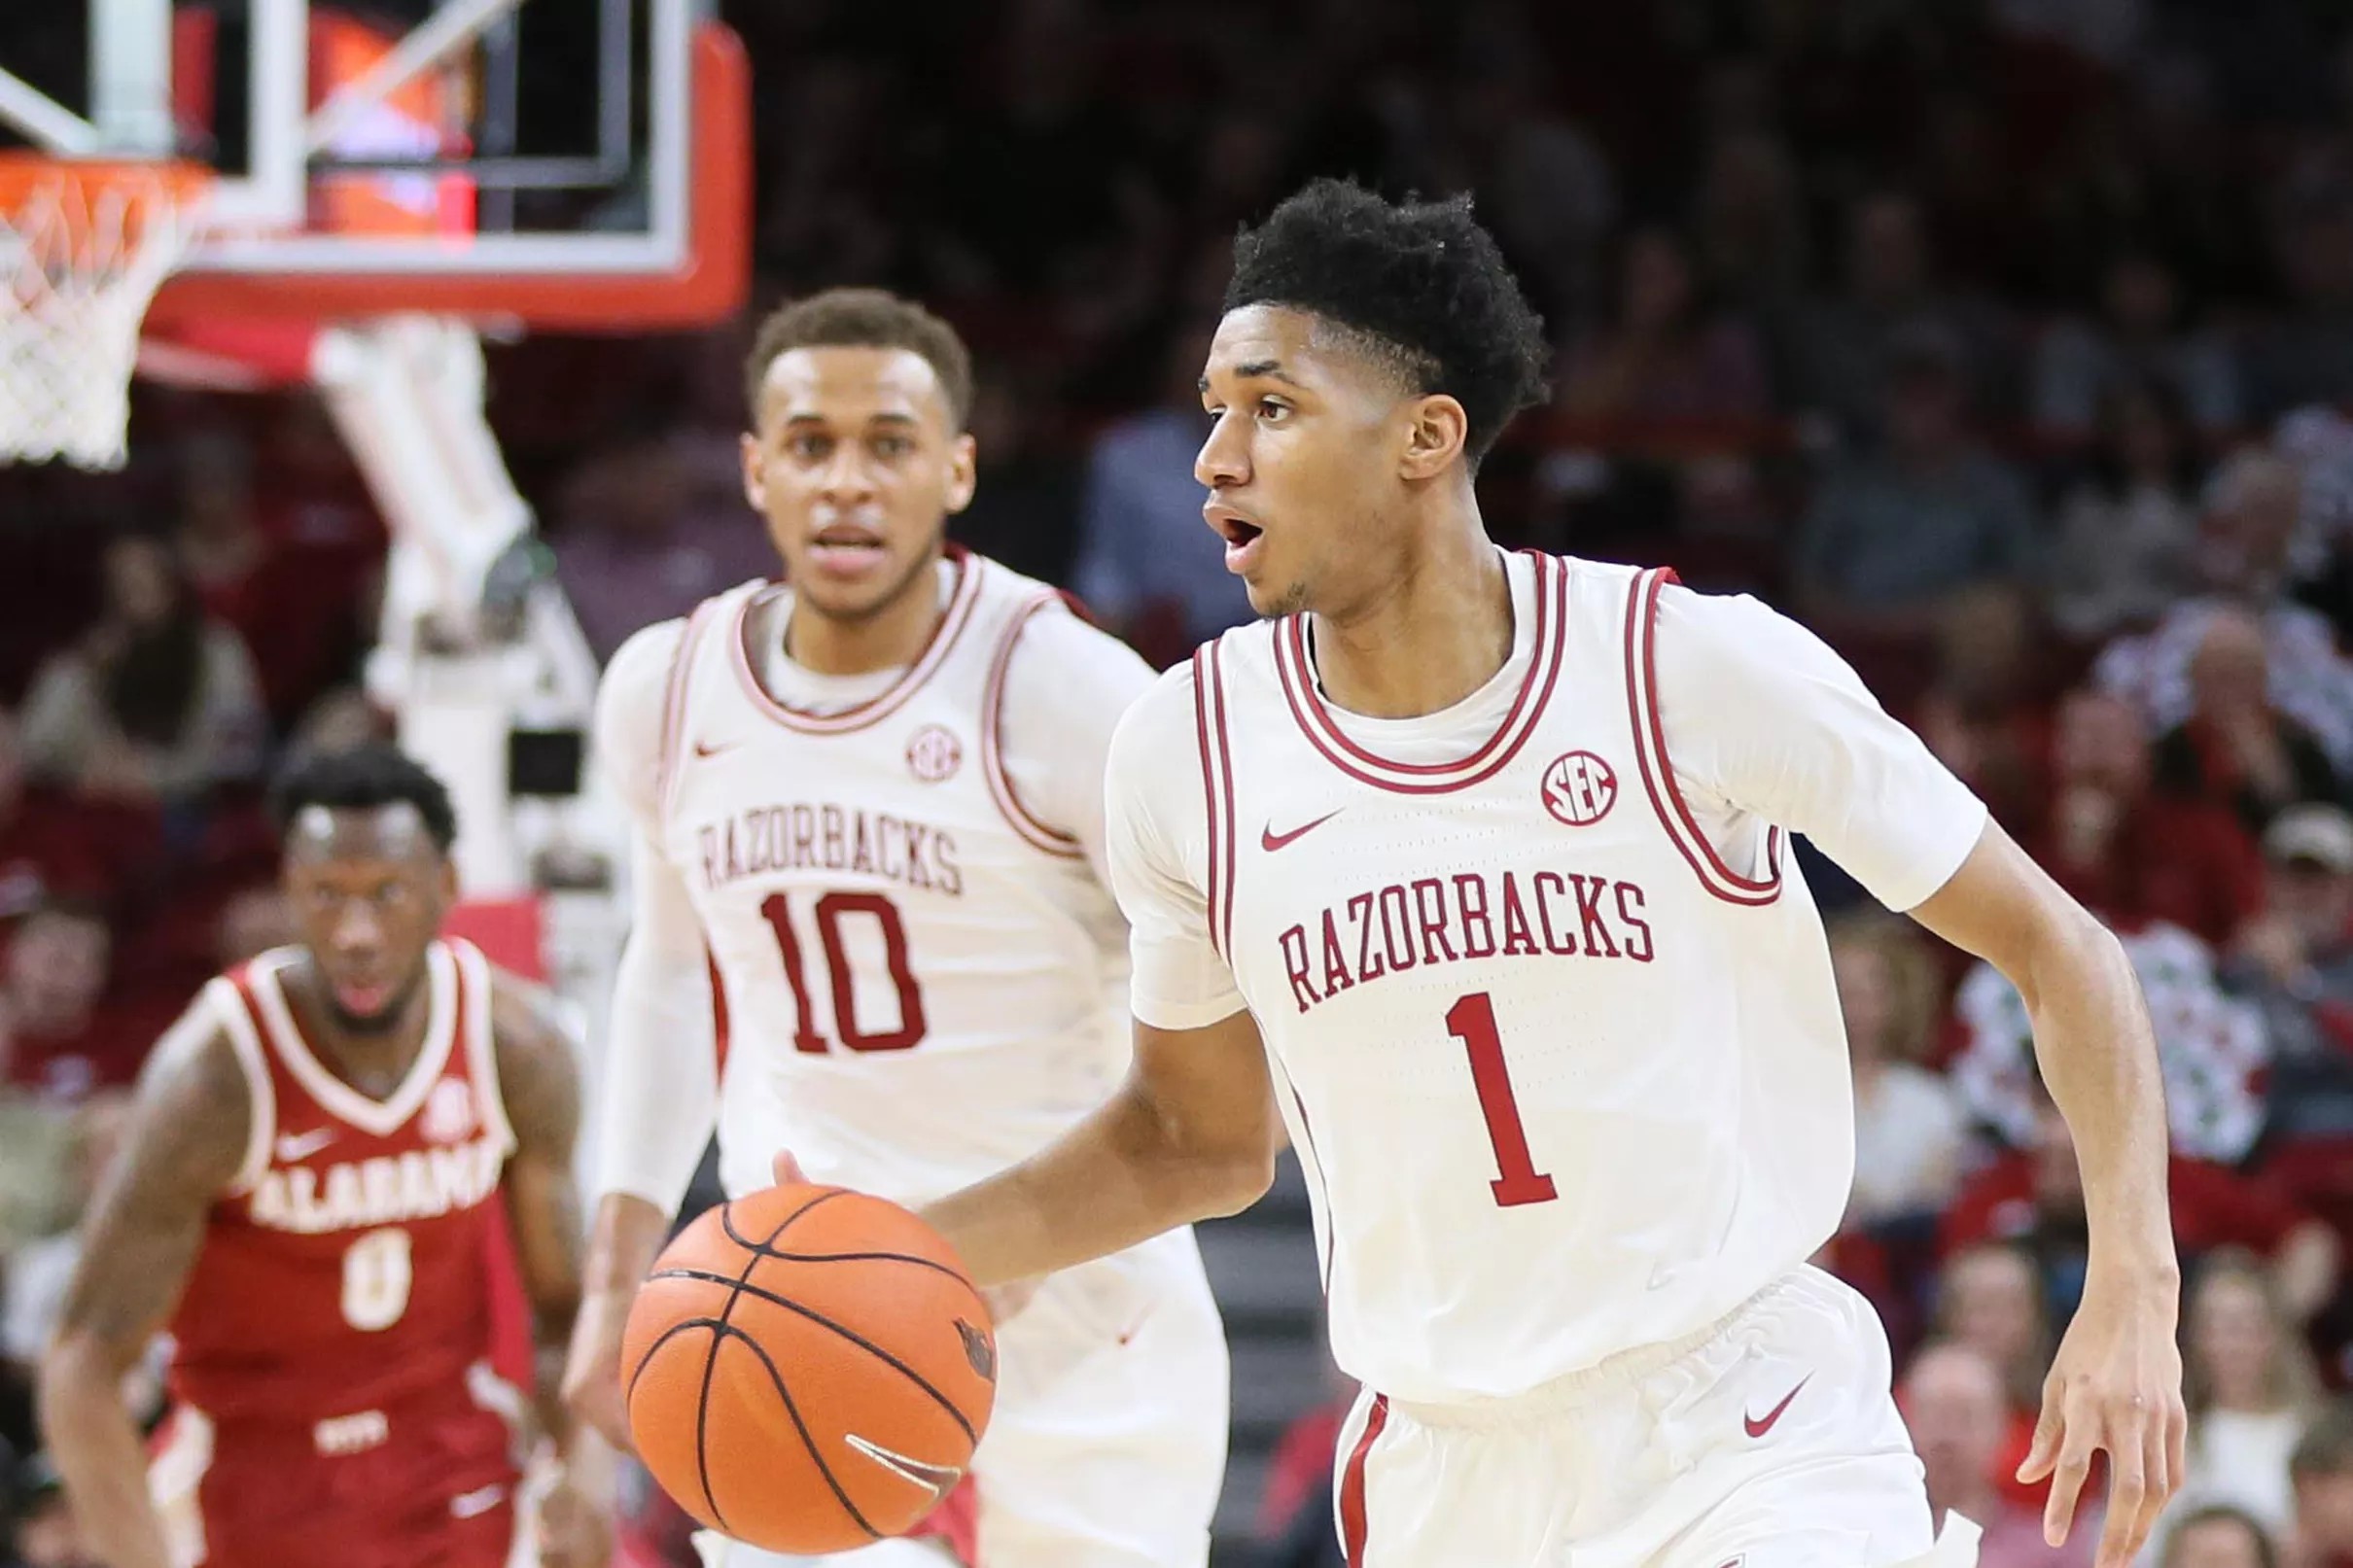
x=1758, y=1426
x=473, y=1504
x=302, y=1145
x=1269, y=840
x=938, y=1479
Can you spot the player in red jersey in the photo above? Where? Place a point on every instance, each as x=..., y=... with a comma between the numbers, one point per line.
x=327, y=1153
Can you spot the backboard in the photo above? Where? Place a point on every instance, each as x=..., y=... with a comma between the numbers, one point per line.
x=560, y=164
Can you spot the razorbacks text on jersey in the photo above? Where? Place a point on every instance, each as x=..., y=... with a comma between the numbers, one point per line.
x=1551, y=1020
x=332, y=1354
x=944, y=970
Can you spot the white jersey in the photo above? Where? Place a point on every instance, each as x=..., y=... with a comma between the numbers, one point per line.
x=919, y=982
x=1547, y=1003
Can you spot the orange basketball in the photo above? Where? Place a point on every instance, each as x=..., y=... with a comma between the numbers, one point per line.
x=808, y=1370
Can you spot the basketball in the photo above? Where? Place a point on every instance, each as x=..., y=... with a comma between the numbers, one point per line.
x=808, y=1370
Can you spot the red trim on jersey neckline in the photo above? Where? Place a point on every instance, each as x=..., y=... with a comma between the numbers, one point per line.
x=1351, y=1482
x=873, y=710
x=1322, y=731
x=1037, y=834
x=1658, y=770
x=282, y=1036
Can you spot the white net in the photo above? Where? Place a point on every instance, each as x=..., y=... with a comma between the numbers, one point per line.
x=82, y=254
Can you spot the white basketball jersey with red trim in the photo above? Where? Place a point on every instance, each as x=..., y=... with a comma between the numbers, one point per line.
x=1564, y=1081
x=922, y=982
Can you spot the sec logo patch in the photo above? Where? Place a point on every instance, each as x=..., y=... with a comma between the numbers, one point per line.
x=934, y=753
x=1579, y=788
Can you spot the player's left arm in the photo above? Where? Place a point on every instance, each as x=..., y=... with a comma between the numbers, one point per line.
x=1765, y=722
x=540, y=1083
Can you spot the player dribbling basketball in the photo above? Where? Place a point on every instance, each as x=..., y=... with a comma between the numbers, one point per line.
x=870, y=806
x=1473, y=869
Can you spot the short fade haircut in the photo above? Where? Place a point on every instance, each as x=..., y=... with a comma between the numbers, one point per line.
x=863, y=318
x=361, y=778
x=1419, y=283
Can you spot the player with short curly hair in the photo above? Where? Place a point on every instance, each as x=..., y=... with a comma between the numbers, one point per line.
x=1473, y=869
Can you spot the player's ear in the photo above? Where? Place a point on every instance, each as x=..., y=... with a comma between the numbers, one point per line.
x=964, y=472
x=756, y=483
x=1436, y=430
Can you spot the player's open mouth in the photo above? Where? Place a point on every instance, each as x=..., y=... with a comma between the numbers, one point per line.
x=843, y=550
x=1240, y=536
x=362, y=1000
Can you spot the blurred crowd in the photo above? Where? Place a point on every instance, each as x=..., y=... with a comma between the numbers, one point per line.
x=2008, y=342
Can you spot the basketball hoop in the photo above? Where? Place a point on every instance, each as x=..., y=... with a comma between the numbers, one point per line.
x=83, y=246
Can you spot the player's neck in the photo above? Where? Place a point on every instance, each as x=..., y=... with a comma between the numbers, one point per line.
x=892, y=638
x=373, y=1062
x=1437, y=632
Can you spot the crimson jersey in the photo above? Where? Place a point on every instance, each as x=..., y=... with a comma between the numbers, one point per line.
x=338, y=1317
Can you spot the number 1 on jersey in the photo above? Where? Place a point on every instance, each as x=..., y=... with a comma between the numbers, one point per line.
x=1472, y=1020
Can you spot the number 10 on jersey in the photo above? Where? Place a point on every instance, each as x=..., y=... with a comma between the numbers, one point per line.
x=834, y=915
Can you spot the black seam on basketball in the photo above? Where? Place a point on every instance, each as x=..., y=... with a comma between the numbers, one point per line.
x=728, y=1331
x=849, y=1334
x=931, y=1264
x=767, y=1248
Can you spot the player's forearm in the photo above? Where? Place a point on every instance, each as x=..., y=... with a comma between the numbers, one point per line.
x=2099, y=1056
x=622, y=1245
x=97, y=1451
x=1121, y=1176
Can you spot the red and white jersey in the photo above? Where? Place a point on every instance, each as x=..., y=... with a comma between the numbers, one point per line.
x=347, y=1270
x=920, y=980
x=1548, y=1005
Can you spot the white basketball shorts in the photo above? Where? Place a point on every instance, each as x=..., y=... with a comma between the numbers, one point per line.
x=1767, y=1441
x=1106, y=1449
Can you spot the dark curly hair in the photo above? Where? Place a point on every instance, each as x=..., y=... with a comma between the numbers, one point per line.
x=364, y=777
x=1418, y=283
x=863, y=318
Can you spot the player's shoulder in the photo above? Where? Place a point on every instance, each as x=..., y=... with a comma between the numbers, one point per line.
x=1161, y=729
x=196, y=1094
x=533, y=1043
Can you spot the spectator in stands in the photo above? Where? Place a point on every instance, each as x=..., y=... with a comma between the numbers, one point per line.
x=1846, y=348
x=633, y=546
x=1147, y=565
x=2219, y=1537
x=158, y=702
x=53, y=1035
x=2035, y=1197
x=2127, y=531
x=2251, y=1389
x=2081, y=366
x=1669, y=355
x=2130, y=855
x=1893, y=534
x=2236, y=749
x=2295, y=964
x=299, y=623
x=1990, y=1299
x=2306, y=356
x=2321, y=1471
x=1953, y=1400
x=1988, y=714
x=1909, y=1132
x=2254, y=507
